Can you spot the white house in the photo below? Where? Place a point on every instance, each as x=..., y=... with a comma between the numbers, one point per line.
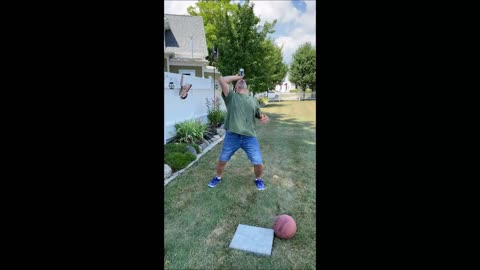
x=285, y=86
x=185, y=52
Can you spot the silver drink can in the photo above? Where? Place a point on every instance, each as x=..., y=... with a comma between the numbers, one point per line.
x=242, y=73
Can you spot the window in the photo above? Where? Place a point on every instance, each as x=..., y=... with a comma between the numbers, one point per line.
x=187, y=72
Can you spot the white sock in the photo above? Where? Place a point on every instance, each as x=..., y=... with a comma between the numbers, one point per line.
x=219, y=177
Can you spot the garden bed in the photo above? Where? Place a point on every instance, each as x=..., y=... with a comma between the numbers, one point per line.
x=204, y=151
x=193, y=139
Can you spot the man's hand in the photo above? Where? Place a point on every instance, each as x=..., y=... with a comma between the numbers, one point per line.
x=264, y=119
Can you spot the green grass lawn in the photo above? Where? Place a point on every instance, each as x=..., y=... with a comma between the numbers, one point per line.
x=200, y=221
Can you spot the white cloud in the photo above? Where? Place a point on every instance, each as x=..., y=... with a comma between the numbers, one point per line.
x=307, y=21
x=299, y=27
x=177, y=7
x=282, y=11
x=292, y=42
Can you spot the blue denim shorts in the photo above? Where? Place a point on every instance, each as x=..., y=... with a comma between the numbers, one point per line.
x=249, y=144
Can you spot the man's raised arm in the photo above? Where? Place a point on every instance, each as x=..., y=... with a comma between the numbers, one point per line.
x=225, y=82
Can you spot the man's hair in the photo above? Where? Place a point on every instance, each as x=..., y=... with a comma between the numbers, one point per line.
x=241, y=84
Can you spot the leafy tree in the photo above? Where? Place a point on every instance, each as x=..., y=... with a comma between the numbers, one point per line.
x=271, y=67
x=277, y=68
x=242, y=42
x=213, y=15
x=245, y=44
x=303, y=67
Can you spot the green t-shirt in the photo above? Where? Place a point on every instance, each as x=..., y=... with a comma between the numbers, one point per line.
x=241, y=113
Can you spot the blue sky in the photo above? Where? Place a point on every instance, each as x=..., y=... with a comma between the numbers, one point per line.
x=295, y=20
x=300, y=5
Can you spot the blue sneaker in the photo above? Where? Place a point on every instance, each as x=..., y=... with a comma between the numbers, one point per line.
x=214, y=182
x=259, y=184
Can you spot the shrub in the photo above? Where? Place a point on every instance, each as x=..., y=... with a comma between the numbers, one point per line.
x=263, y=101
x=190, y=131
x=293, y=90
x=197, y=148
x=178, y=161
x=175, y=147
x=215, y=115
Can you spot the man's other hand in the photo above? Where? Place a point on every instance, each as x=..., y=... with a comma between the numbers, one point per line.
x=264, y=119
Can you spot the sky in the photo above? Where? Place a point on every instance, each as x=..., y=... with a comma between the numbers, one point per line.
x=295, y=20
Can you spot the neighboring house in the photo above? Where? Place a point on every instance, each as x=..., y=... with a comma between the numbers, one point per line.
x=185, y=47
x=285, y=86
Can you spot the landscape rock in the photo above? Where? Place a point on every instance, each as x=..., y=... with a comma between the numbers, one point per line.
x=216, y=137
x=220, y=132
x=191, y=150
x=167, y=171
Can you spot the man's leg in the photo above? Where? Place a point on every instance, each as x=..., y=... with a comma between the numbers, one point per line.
x=220, y=168
x=231, y=143
x=252, y=149
x=258, y=168
x=216, y=179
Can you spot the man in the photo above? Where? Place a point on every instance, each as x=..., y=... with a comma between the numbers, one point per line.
x=242, y=110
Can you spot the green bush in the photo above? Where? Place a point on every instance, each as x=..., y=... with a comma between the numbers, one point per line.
x=197, y=148
x=190, y=131
x=263, y=101
x=177, y=156
x=178, y=161
x=215, y=115
x=293, y=90
x=175, y=147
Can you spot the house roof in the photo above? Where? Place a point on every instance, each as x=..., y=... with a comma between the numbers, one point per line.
x=182, y=30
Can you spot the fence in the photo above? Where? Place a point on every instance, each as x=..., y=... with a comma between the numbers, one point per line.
x=307, y=95
x=193, y=107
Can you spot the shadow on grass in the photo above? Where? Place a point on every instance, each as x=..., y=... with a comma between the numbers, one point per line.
x=276, y=104
x=280, y=119
x=285, y=141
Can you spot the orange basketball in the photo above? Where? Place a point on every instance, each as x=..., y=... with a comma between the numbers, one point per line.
x=285, y=227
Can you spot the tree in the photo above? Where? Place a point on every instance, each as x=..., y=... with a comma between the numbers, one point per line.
x=273, y=70
x=212, y=13
x=278, y=68
x=303, y=67
x=242, y=42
